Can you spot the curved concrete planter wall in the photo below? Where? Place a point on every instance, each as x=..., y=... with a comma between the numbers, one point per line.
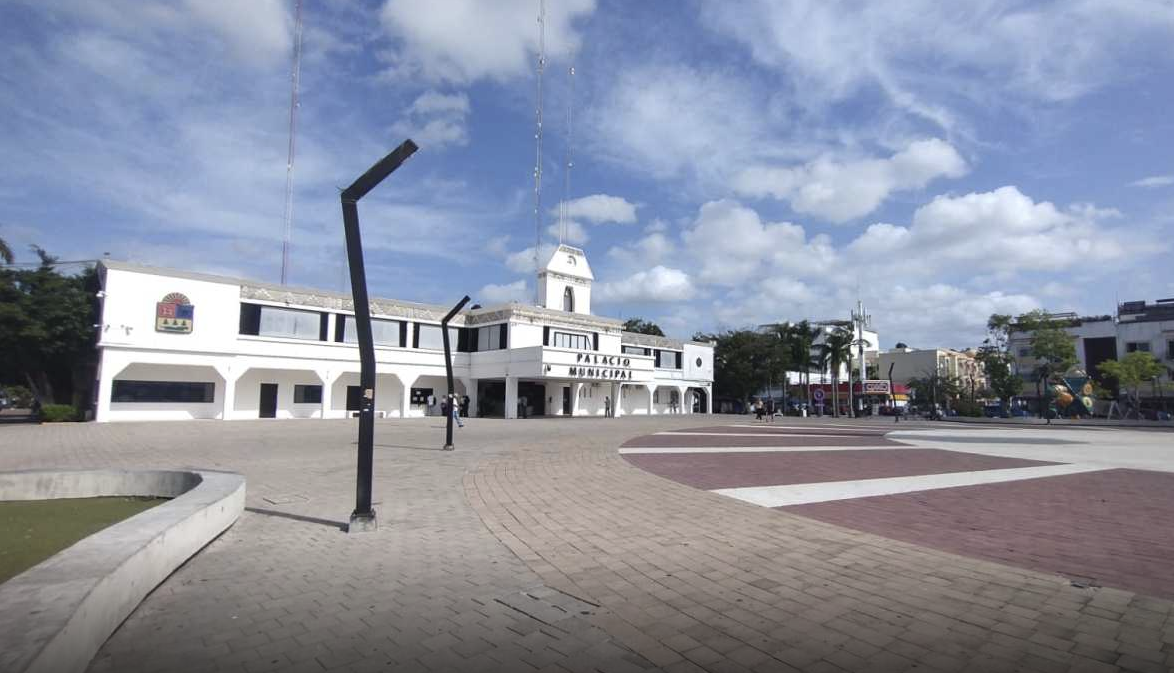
x=55, y=616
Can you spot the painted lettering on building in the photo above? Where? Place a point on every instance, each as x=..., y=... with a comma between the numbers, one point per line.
x=596, y=366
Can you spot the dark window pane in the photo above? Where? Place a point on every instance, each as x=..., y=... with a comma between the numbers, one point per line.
x=307, y=394
x=163, y=391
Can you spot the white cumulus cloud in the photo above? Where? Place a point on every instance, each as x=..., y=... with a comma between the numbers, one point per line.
x=658, y=284
x=845, y=190
x=436, y=119
x=1154, y=181
x=732, y=245
x=600, y=209
x=1001, y=231
x=466, y=40
x=500, y=294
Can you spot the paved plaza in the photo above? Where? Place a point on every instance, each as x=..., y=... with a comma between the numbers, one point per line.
x=674, y=543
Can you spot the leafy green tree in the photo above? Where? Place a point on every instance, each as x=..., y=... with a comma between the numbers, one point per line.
x=1131, y=371
x=935, y=387
x=1051, y=346
x=997, y=361
x=745, y=361
x=6, y=252
x=838, y=347
x=642, y=326
x=46, y=330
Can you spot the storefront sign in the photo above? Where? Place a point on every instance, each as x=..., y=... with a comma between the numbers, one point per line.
x=595, y=366
x=876, y=387
x=175, y=314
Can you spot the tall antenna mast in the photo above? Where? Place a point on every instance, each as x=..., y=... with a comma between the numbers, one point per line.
x=538, y=143
x=564, y=213
x=289, y=162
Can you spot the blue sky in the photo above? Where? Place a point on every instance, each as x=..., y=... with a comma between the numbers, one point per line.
x=734, y=162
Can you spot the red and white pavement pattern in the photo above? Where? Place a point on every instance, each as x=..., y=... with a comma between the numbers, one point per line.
x=1049, y=501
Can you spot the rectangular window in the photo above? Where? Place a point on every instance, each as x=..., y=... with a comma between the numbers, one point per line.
x=489, y=338
x=289, y=323
x=668, y=359
x=567, y=340
x=383, y=332
x=307, y=394
x=1170, y=350
x=1024, y=352
x=184, y=392
x=1134, y=346
x=430, y=336
x=634, y=350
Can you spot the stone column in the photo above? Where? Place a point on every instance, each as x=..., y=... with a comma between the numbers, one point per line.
x=681, y=406
x=230, y=375
x=327, y=390
x=576, y=390
x=709, y=400
x=405, y=399
x=511, y=397
x=651, y=398
x=617, y=394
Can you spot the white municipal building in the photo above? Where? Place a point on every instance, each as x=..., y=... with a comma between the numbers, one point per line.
x=178, y=345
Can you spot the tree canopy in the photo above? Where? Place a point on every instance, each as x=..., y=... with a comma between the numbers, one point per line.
x=642, y=326
x=746, y=361
x=997, y=361
x=46, y=329
x=1133, y=370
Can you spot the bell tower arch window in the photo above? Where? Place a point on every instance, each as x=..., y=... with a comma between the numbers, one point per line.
x=569, y=299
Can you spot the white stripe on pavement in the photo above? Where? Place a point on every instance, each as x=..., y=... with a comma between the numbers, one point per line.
x=801, y=494
x=751, y=449
x=754, y=434
x=809, y=428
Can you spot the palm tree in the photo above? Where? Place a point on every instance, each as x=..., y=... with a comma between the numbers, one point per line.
x=803, y=339
x=838, y=346
x=6, y=252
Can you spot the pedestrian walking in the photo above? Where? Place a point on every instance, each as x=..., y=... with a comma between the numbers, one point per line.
x=759, y=410
x=607, y=406
x=455, y=406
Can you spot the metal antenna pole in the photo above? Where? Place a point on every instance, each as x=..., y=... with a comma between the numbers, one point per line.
x=452, y=398
x=363, y=518
x=289, y=162
x=565, y=208
x=538, y=144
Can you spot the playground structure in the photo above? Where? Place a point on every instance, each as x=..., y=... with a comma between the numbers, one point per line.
x=1071, y=394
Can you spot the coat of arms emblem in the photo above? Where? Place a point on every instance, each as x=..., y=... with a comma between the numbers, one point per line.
x=175, y=314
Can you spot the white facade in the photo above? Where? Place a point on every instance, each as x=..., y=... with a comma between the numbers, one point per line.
x=178, y=345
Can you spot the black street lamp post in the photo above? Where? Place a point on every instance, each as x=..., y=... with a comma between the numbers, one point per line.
x=452, y=399
x=363, y=518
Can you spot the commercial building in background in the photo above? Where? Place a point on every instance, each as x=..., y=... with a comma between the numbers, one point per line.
x=917, y=363
x=821, y=378
x=180, y=345
x=1138, y=326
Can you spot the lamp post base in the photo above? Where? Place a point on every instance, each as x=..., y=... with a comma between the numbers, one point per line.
x=363, y=522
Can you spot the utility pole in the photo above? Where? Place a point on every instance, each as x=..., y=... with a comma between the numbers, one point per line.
x=860, y=320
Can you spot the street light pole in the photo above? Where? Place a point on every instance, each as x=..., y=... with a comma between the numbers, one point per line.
x=448, y=445
x=363, y=518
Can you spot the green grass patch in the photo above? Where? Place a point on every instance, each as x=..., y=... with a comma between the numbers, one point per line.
x=33, y=530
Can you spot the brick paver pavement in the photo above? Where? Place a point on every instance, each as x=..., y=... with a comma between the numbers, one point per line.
x=536, y=546
x=1104, y=527
x=732, y=470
